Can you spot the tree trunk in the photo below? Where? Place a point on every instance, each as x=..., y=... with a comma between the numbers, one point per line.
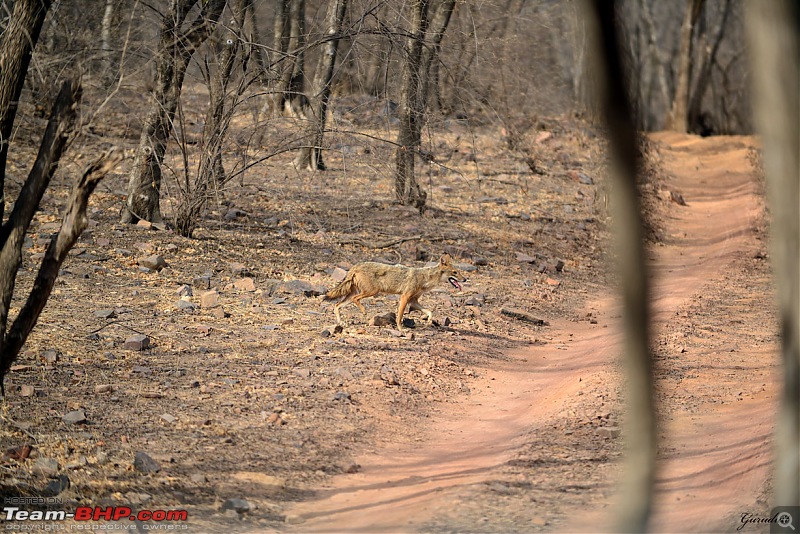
x=430, y=53
x=289, y=98
x=175, y=49
x=212, y=172
x=254, y=43
x=773, y=32
x=105, y=43
x=310, y=157
x=18, y=41
x=407, y=188
x=678, y=116
x=636, y=492
x=709, y=57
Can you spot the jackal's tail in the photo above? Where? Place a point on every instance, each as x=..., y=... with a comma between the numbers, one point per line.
x=342, y=289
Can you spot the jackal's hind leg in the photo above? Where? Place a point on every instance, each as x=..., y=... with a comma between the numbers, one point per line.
x=415, y=305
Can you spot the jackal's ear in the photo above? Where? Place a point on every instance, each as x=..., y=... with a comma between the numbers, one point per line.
x=446, y=260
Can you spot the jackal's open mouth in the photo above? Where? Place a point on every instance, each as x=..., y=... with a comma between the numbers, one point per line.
x=453, y=280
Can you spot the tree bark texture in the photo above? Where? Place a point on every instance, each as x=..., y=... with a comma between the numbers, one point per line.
x=310, y=157
x=773, y=32
x=175, y=49
x=212, y=172
x=289, y=98
x=678, y=116
x=18, y=42
x=638, y=477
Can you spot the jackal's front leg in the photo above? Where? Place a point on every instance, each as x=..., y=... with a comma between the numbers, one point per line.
x=401, y=309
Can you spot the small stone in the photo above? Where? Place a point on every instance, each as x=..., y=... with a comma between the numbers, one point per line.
x=559, y=266
x=154, y=262
x=137, y=342
x=524, y=258
x=301, y=287
x=245, y=284
x=169, y=418
x=144, y=224
x=141, y=370
x=278, y=300
x=387, y=319
x=352, y=468
x=338, y=274
x=45, y=466
x=523, y=316
x=101, y=457
x=552, y=282
x=105, y=314
x=202, y=282
x=198, y=478
x=218, y=313
x=103, y=388
x=74, y=417
x=184, y=290
x=209, y=299
x=185, y=305
x=238, y=269
x=239, y=505
x=342, y=396
x=466, y=267
x=26, y=391
x=480, y=261
x=332, y=330
x=302, y=372
x=142, y=462
x=388, y=375
x=50, y=356
x=608, y=432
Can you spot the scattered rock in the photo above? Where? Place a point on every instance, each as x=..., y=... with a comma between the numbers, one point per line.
x=103, y=388
x=239, y=269
x=50, y=356
x=559, y=266
x=198, y=478
x=185, y=305
x=466, y=267
x=245, y=284
x=387, y=319
x=154, y=262
x=351, y=468
x=388, y=375
x=74, y=417
x=480, y=261
x=105, y=314
x=26, y=391
x=45, y=466
x=301, y=287
x=338, y=274
x=302, y=372
x=525, y=258
x=137, y=342
x=54, y=487
x=209, y=299
x=332, y=330
x=219, y=313
x=475, y=300
x=202, y=282
x=184, y=290
x=141, y=370
x=342, y=396
x=552, y=282
x=523, y=316
x=18, y=453
x=143, y=463
x=608, y=432
x=169, y=418
x=239, y=505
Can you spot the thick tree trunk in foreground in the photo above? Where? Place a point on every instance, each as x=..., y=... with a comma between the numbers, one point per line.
x=310, y=157
x=175, y=49
x=12, y=234
x=636, y=491
x=18, y=42
x=774, y=37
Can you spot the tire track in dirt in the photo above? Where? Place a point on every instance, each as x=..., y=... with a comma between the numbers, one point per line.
x=716, y=458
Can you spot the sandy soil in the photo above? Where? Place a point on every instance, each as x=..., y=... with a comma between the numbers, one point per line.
x=489, y=424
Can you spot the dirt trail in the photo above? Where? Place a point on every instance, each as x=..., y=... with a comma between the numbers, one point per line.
x=716, y=458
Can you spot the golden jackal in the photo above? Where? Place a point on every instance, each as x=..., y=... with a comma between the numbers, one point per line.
x=369, y=278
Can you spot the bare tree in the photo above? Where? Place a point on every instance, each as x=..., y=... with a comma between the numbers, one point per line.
x=678, y=115
x=310, y=156
x=290, y=37
x=12, y=234
x=19, y=39
x=774, y=38
x=175, y=49
x=424, y=38
x=639, y=471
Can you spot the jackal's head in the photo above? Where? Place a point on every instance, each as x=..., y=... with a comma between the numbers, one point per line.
x=453, y=275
